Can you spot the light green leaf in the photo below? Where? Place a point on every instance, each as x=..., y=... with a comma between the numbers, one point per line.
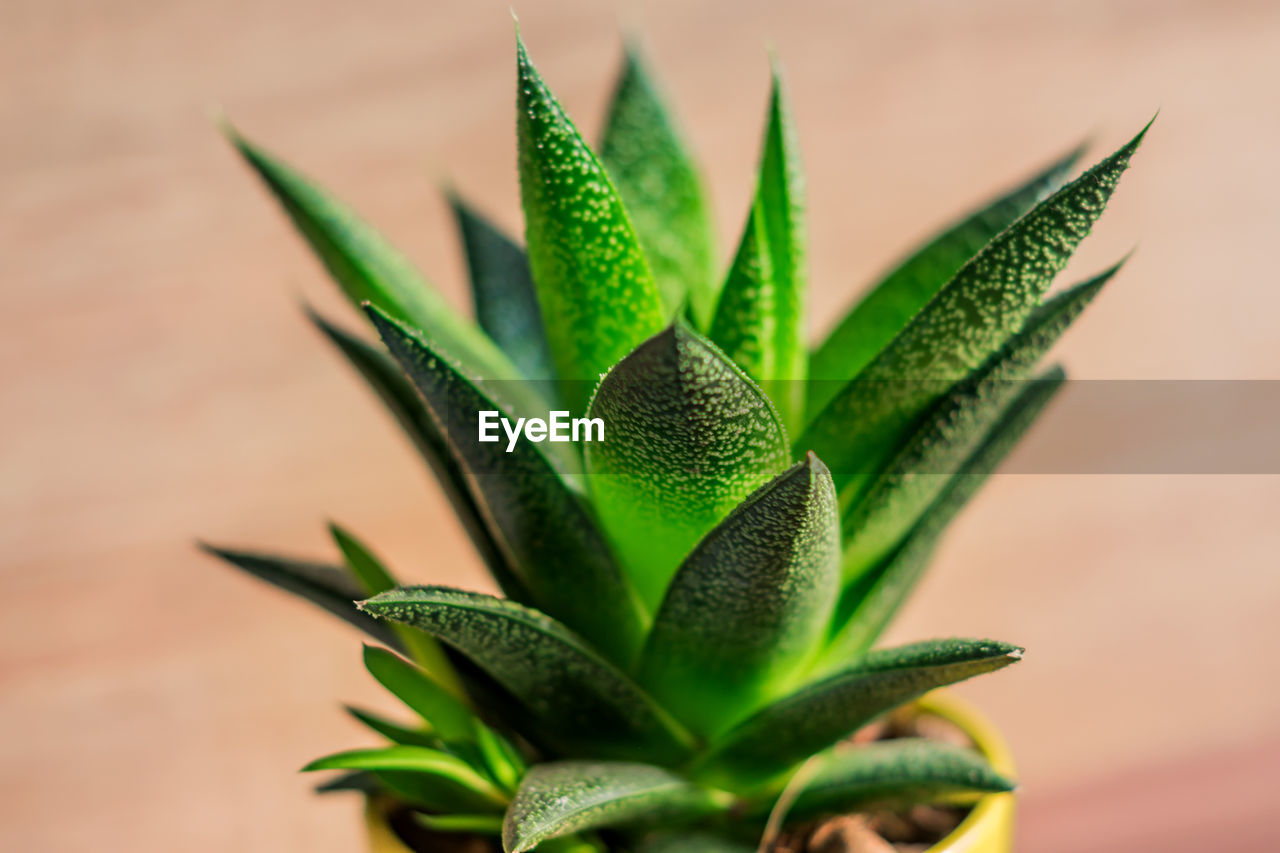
x=746, y=610
x=503, y=295
x=896, y=774
x=563, y=797
x=953, y=429
x=573, y=699
x=368, y=268
x=388, y=381
x=475, y=824
x=899, y=296
x=867, y=606
x=444, y=712
x=974, y=314
x=393, y=731
x=329, y=587
x=687, y=436
x=760, y=319
x=816, y=716
x=662, y=189
x=597, y=295
x=375, y=578
x=415, y=760
x=544, y=528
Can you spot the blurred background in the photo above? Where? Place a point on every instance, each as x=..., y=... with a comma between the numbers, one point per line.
x=159, y=383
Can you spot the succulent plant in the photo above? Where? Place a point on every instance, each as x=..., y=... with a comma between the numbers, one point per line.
x=690, y=605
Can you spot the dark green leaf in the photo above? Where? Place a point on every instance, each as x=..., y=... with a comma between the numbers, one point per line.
x=394, y=731
x=691, y=842
x=597, y=295
x=368, y=268
x=360, y=781
x=327, y=586
x=974, y=314
x=562, y=797
x=867, y=606
x=416, y=760
x=889, y=305
x=687, y=437
x=386, y=378
x=503, y=294
x=574, y=699
x=445, y=713
x=662, y=190
x=746, y=610
x=544, y=528
x=953, y=429
x=816, y=716
x=895, y=774
x=760, y=319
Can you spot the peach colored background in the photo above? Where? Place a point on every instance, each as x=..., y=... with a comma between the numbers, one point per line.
x=159, y=383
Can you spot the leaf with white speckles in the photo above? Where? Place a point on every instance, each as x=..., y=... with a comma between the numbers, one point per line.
x=749, y=607
x=662, y=190
x=987, y=301
x=896, y=774
x=503, y=295
x=562, y=797
x=953, y=429
x=368, y=268
x=899, y=296
x=572, y=698
x=760, y=318
x=687, y=436
x=544, y=527
x=597, y=294
x=870, y=602
x=816, y=716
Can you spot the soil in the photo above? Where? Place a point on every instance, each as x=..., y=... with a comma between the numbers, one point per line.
x=913, y=830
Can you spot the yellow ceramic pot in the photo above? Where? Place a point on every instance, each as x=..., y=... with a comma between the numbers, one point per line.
x=988, y=828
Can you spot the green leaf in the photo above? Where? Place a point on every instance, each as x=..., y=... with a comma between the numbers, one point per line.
x=327, y=586
x=597, y=295
x=867, y=606
x=953, y=429
x=896, y=774
x=687, y=437
x=393, y=731
x=890, y=305
x=987, y=301
x=375, y=578
x=760, y=319
x=662, y=189
x=475, y=824
x=368, y=268
x=544, y=528
x=445, y=713
x=562, y=797
x=366, y=567
x=691, y=842
x=749, y=605
x=574, y=700
x=415, y=760
x=816, y=716
x=503, y=295
x=388, y=381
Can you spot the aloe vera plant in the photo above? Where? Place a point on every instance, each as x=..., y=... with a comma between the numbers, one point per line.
x=689, y=607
